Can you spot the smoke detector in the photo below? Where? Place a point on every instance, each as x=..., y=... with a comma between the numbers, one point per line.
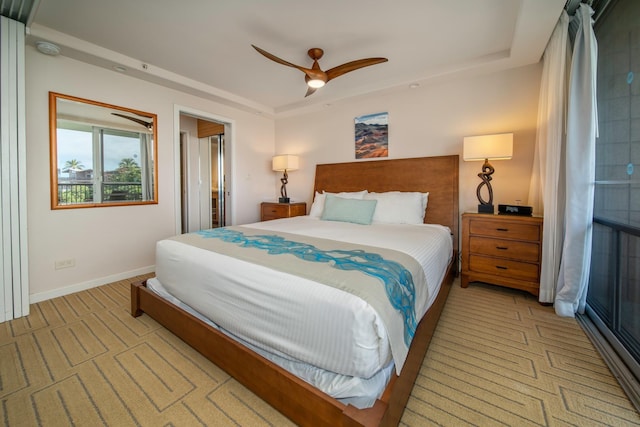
x=47, y=48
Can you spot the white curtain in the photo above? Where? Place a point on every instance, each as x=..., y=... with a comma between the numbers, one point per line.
x=146, y=160
x=566, y=163
x=582, y=128
x=545, y=193
x=14, y=268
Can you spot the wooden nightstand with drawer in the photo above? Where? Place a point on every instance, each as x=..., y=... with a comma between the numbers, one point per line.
x=270, y=210
x=503, y=250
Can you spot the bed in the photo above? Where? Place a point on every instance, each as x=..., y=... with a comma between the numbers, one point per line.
x=294, y=397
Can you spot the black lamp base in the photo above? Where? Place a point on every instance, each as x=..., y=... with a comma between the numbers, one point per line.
x=485, y=209
x=284, y=200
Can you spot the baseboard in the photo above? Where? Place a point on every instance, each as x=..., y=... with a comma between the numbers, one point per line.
x=59, y=292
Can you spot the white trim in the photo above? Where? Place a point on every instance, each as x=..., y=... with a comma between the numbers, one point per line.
x=67, y=290
x=84, y=51
x=23, y=306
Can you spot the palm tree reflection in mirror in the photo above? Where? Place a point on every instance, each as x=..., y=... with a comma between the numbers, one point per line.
x=71, y=167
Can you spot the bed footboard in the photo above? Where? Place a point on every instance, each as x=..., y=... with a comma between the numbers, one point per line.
x=291, y=396
x=296, y=399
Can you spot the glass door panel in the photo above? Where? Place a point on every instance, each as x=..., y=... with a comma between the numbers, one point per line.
x=613, y=299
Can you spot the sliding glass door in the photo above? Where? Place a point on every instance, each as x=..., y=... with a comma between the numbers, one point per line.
x=614, y=290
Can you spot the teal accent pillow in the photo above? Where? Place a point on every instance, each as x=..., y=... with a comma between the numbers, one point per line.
x=348, y=210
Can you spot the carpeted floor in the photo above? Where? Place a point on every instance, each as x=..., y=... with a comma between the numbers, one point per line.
x=498, y=358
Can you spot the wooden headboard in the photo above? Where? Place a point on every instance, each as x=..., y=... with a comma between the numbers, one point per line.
x=436, y=175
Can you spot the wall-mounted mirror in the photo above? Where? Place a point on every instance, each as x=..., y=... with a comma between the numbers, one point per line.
x=101, y=154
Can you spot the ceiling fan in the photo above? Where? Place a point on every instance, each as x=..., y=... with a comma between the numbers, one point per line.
x=148, y=125
x=314, y=76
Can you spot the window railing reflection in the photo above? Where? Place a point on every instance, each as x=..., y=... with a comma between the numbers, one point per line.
x=82, y=192
x=110, y=147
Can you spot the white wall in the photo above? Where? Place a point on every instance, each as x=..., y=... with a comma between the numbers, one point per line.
x=427, y=121
x=118, y=242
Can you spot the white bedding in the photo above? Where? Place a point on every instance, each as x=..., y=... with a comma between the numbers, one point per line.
x=299, y=319
x=356, y=391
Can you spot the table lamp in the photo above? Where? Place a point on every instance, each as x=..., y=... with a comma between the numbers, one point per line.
x=487, y=147
x=284, y=163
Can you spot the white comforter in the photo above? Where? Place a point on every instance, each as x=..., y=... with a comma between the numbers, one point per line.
x=314, y=323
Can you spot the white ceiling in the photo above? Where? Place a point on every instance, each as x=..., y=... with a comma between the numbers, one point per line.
x=204, y=46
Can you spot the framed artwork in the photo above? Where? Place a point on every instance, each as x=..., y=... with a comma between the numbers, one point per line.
x=372, y=135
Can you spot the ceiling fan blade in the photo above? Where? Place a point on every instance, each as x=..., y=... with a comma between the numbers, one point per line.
x=310, y=91
x=279, y=60
x=315, y=75
x=351, y=66
x=148, y=125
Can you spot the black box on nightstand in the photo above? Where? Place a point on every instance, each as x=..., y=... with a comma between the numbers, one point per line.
x=515, y=210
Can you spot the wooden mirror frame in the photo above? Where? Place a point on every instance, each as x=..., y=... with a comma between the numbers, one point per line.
x=110, y=118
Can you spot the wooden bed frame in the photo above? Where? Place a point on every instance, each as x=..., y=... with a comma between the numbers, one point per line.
x=296, y=399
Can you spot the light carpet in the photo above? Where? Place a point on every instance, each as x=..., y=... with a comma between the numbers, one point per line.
x=498, y=358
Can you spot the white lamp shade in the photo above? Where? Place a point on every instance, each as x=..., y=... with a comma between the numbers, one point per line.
x=496, y=147
x=285, y=162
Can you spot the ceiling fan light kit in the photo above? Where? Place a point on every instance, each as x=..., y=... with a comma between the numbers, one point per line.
x=314, y=76
x=316, y=83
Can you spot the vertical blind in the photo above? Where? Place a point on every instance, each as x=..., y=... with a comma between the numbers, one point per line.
x=19, y=10
x=14, y=290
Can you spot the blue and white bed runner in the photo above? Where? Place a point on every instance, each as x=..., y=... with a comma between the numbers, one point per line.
x=384, y=278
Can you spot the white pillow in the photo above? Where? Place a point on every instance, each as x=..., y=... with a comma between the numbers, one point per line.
x=318, y=202
x=396, y=207
x=425, y=202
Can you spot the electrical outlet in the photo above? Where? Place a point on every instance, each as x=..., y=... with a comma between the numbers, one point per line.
x=65, y=263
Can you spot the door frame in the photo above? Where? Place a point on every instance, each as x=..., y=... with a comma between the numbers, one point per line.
x=229, y=160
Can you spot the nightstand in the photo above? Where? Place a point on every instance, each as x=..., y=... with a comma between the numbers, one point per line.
x=503, y=250
x=270, y=210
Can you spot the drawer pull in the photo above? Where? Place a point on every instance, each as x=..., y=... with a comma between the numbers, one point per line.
x=501, y=267
x=502, y=248
x=502, y=229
